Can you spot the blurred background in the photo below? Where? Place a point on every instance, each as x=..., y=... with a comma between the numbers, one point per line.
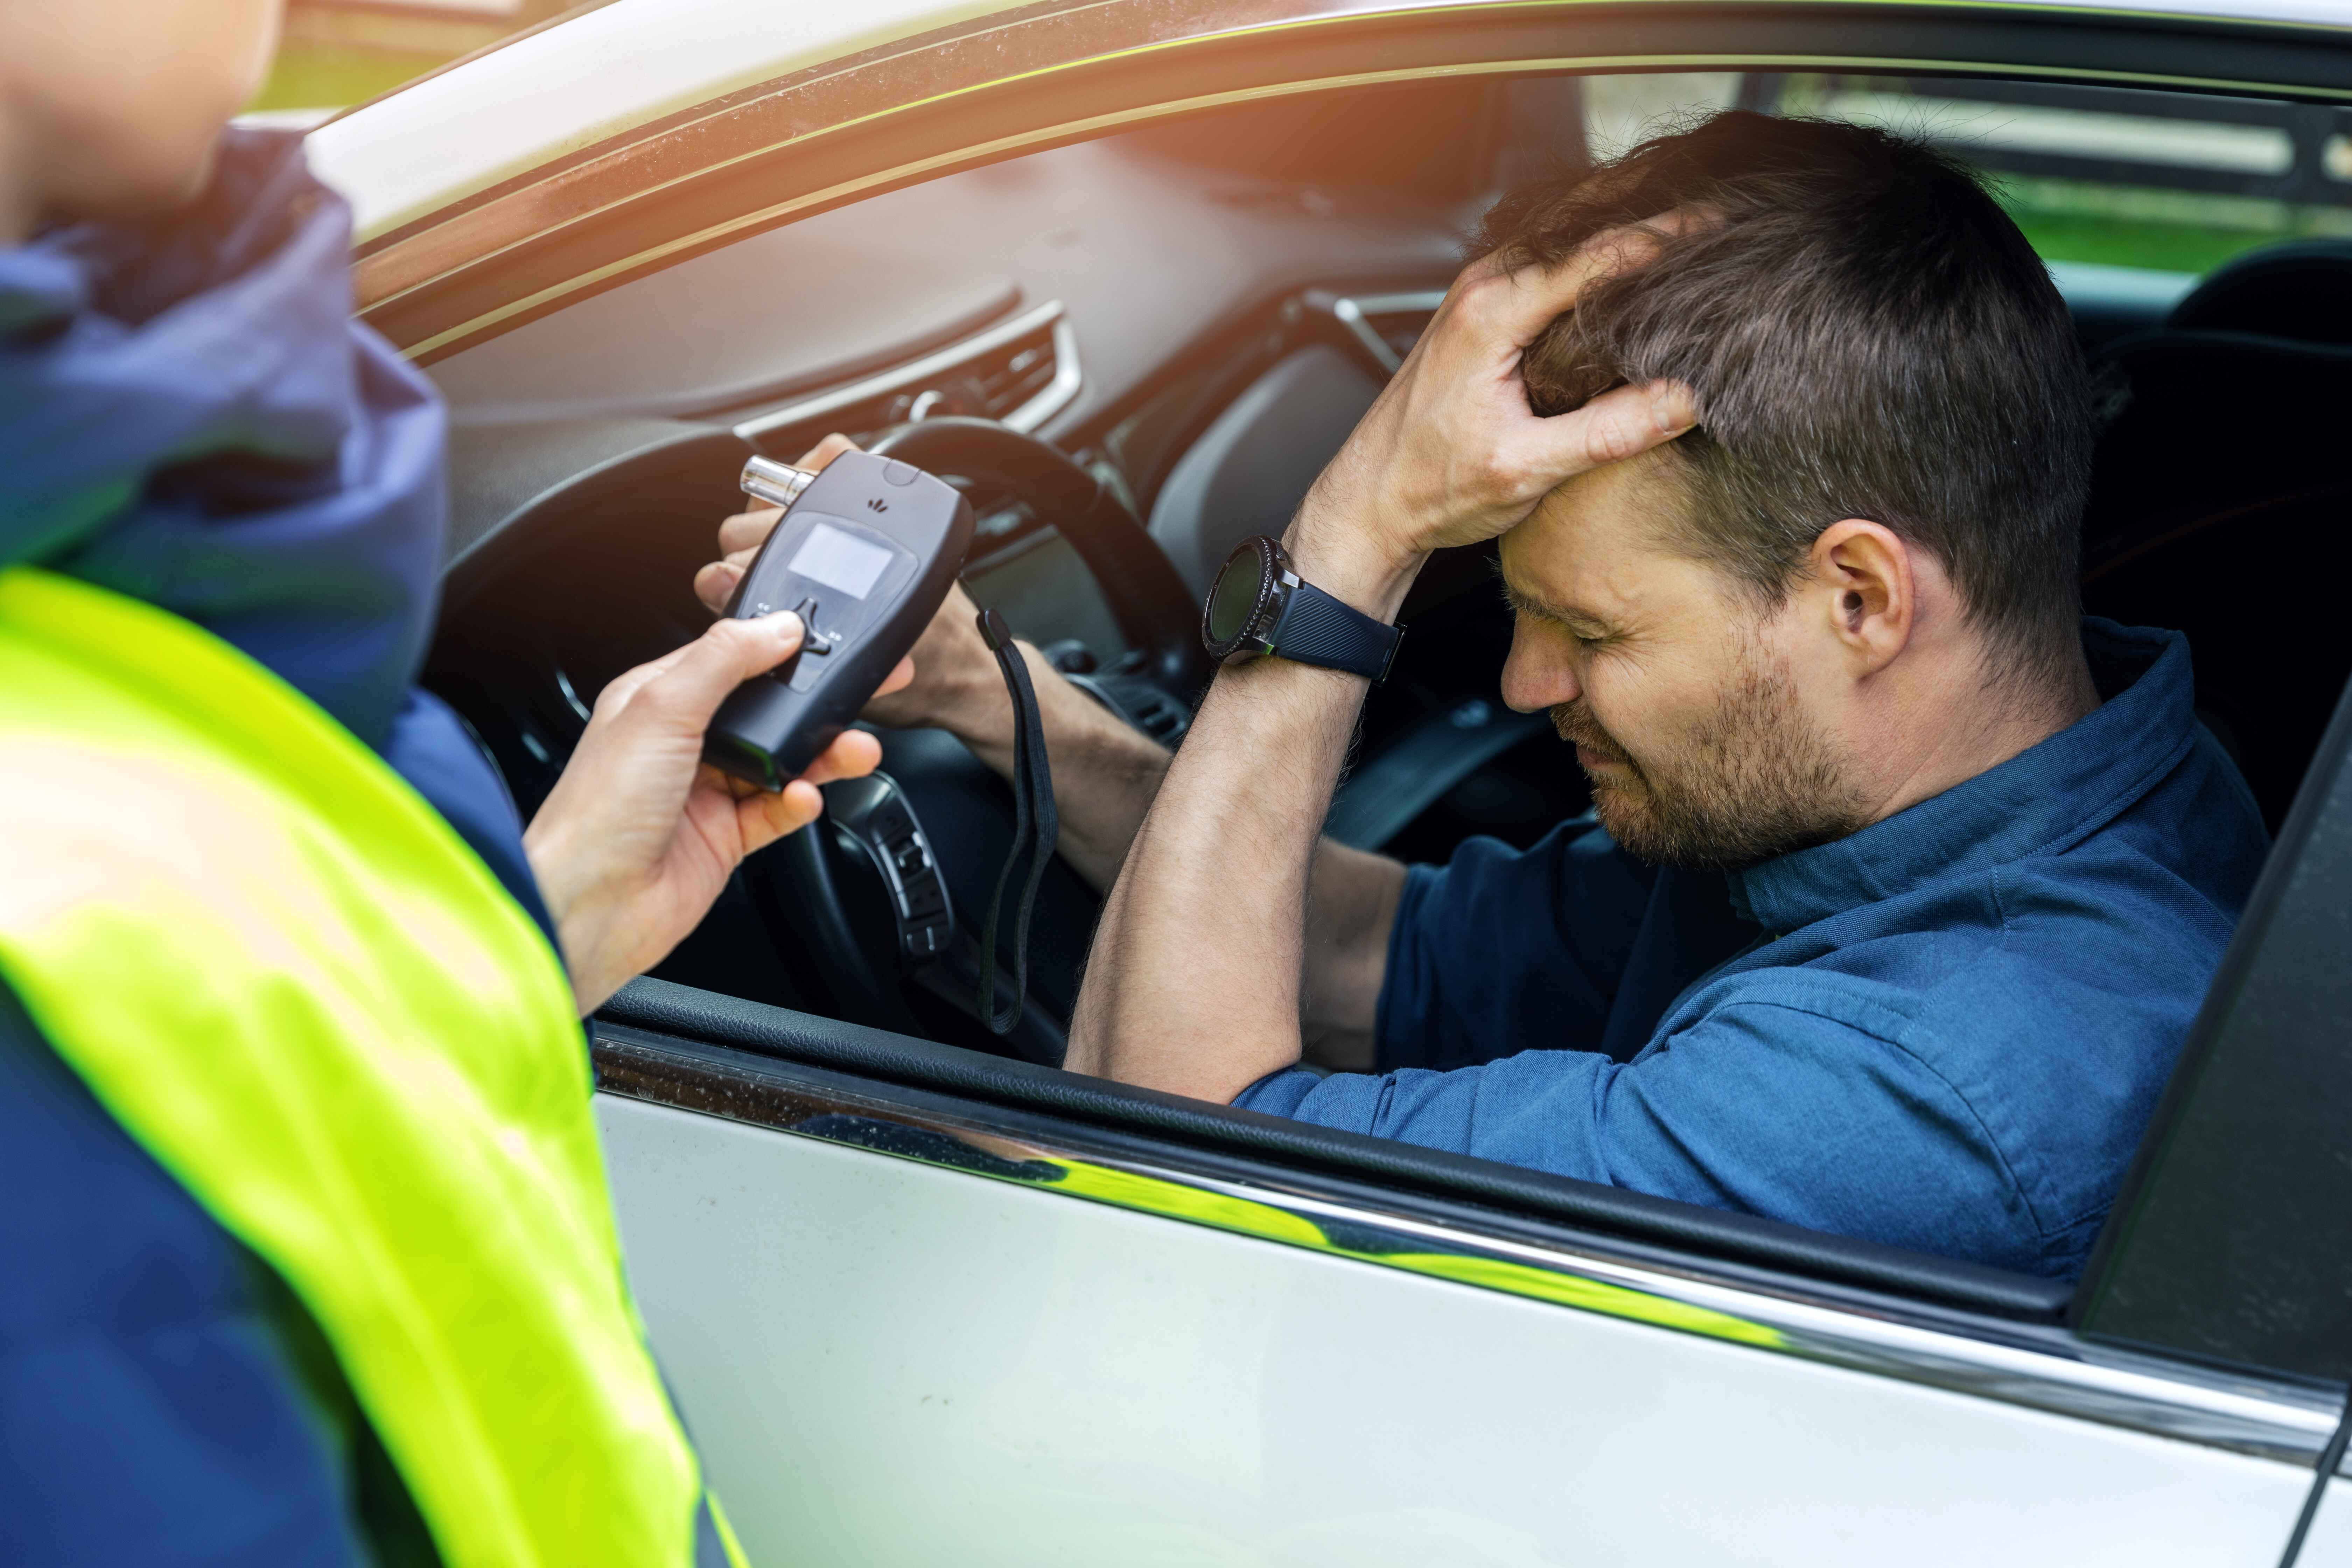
x=338, y=53
x=2167, y=181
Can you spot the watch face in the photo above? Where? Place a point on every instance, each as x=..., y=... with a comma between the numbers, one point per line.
x=1244, y=602
x=1234, y=598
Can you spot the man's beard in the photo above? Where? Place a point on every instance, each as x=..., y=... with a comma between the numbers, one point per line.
x=1756, y=780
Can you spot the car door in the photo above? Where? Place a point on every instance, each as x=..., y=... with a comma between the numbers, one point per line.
x=919, y=1304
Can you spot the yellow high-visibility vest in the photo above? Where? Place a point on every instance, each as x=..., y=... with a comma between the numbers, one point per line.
x=286, y=977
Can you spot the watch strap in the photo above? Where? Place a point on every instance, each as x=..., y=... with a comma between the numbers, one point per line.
x=1316, y=628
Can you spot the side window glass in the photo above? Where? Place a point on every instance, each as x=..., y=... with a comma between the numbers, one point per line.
x=1620, y=111
x=2161, y=182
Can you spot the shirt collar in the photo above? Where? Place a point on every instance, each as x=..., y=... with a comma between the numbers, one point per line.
x=2040, y=800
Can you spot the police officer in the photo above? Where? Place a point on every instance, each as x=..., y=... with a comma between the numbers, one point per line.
x=306, y=1255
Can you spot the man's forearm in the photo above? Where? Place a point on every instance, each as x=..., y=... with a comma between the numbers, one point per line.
x=1106, y=777
x=1352, y=904
x=1194, y=983
x=1106, y=771
x=1196, y=977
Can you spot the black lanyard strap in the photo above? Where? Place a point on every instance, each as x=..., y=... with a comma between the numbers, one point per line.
x=1036, y=827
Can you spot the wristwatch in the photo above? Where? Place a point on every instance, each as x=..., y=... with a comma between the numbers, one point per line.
x=1259, y=605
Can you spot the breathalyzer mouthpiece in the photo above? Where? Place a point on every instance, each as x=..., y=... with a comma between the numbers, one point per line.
x=778, y=484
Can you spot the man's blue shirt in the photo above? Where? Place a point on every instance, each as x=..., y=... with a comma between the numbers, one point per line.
x=1945, y=1032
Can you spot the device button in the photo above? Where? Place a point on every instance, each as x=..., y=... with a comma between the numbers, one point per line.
x=898, y=473
x=808, y=663
x=815, y=638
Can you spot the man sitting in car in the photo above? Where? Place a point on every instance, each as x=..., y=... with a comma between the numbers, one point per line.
x=1903, y=881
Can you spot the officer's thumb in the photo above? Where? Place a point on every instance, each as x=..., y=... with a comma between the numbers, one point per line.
x=686, y=695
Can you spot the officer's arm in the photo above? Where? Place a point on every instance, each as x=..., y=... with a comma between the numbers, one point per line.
x=639, y=836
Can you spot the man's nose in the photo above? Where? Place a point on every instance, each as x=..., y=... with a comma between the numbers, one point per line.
x=1536, y=676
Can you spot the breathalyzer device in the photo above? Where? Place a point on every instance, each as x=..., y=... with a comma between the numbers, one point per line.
x=864, y=553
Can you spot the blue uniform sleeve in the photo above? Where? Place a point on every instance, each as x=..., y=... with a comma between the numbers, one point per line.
x=1787, y=1100
x=1502, y=948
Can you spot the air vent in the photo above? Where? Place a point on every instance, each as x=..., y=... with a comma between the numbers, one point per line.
x=1011, y=377
x=1021, y=372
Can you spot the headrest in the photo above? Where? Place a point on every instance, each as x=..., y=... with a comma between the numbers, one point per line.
x=2216, y=420
x=2301, y=289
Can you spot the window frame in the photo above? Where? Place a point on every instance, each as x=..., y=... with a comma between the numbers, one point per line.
x=2205, y=1252
x=1045, y=76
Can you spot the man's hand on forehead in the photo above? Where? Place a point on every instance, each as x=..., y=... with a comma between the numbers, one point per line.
x=1451, y=454
x=1526, y=298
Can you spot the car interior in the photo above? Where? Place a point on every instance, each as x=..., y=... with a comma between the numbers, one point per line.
x=1136, y=351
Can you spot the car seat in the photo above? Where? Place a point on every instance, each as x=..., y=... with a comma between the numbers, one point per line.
x=2220, y=496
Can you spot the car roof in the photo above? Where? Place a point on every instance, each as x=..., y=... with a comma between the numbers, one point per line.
x=604, y=73
x=590, y=77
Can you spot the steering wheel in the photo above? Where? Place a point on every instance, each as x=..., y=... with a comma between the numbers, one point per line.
x=1155, y=611
x=824, y=888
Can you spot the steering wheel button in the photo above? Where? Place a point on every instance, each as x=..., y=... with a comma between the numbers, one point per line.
x=921, y=899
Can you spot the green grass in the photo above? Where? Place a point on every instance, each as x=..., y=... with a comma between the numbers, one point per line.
x=2165, y=230
x=2168, y=231
x=2165, y=248
x=310, y=76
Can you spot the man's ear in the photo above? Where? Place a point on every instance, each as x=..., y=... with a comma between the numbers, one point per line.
x=1865, y=591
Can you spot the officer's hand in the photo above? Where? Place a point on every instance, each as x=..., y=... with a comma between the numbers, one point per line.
x=639, y=834
x=957, y=686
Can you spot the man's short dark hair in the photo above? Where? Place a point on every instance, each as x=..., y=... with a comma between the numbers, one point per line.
x=1868, y=335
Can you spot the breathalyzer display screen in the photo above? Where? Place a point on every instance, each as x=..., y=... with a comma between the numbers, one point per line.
x=842, y=562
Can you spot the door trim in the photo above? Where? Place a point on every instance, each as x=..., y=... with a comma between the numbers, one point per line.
x=2039, y=1367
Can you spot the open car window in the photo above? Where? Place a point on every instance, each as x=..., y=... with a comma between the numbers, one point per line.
x=1206, y=395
